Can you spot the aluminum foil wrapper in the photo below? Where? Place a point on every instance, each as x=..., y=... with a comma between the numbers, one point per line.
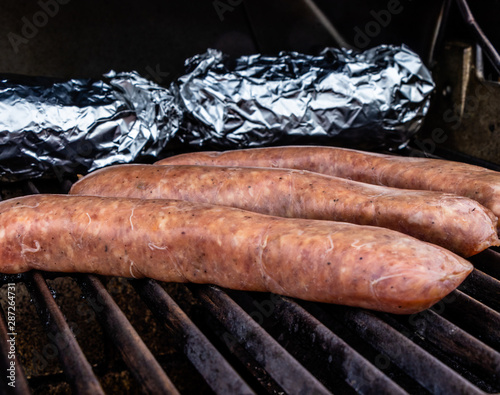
x=54, y=128
x=372, y=99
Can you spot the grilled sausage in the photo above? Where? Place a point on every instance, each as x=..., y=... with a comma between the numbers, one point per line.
x=460, y=224
x=480, y=184
x=178, y=241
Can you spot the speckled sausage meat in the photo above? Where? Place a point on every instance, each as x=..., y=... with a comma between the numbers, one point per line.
x=480, y=184
x=460, y=224
x=179, y=241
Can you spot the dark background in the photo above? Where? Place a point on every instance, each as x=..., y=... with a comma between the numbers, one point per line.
x=88, y=38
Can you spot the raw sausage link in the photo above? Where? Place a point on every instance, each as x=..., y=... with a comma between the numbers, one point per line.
x=480, y=184
x=179, y=241
x=460, y=224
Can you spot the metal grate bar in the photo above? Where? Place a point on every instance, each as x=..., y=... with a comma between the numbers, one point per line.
x=451, y=340
x=359, y=373
x=417, y=363
x=218, y=373
x=281, y=366
x=474, y=316
x=21, y=384
x=141, y=362
x=483, y=288
x=240, y=357
x=488, y=262
x=75, y=364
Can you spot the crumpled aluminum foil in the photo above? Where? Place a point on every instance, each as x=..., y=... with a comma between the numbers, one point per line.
x=373, y=99
x=50, y=128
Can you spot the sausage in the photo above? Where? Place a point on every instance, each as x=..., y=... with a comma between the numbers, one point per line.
x=474, y=182
x=460, y=224
x=178, y=241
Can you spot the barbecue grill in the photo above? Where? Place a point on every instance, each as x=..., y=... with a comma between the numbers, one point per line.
x=89, y=334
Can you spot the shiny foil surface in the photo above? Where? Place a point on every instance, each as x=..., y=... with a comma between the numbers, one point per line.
x=54, y=128
x=372, y=99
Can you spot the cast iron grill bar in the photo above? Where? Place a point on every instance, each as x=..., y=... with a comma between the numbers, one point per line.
x=482, y=287
x=451, y=340
x=75, y=365
x=488, y=262
x=280, y=365
x=141, y=362
x=241, y=356
x=358, y=372
x=21, y=385
x=427, y=370
x=217, y=372
x=477, y=318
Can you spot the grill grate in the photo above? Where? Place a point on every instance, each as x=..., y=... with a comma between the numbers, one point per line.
x=202, y=354
x=281, y=366
x=135, y=353
x=245, y=342
x=76, y=366
x=433, y=348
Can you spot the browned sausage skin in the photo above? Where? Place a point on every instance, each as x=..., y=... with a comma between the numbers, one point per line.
x=178, y=241
x=460, y=224
x=480, y=184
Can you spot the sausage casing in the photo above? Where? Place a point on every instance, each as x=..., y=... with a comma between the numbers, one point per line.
x=179, y=241
x=457, y=223
x=474, y=182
